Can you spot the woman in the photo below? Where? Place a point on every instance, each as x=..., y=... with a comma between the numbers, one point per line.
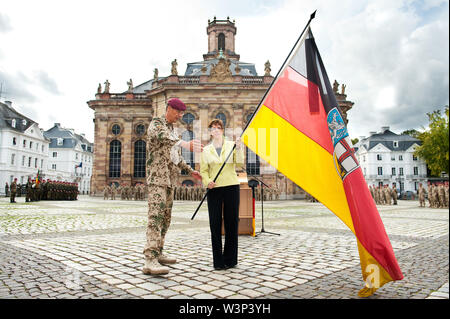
x=222, y=193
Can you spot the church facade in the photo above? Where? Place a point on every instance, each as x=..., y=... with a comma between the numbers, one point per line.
x=219, y=86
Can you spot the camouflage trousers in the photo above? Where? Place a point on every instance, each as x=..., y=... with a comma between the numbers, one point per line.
x=160, y=201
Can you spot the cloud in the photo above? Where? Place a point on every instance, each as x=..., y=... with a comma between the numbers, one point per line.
x=44, y=80
x=5, y=24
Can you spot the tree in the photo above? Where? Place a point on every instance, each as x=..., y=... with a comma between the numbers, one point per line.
x=355, y=140
x=435, y=149
x=411, y=132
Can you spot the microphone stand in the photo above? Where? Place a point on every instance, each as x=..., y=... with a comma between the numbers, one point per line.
x=262, y=207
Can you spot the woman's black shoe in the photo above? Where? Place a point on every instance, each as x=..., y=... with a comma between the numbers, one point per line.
x=220, y=268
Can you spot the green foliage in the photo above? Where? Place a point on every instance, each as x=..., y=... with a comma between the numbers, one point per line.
x=412, y=132
x=435, y=149
x=355, y=140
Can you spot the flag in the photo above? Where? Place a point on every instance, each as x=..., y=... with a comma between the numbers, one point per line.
x=299, y=129
x=79, y=165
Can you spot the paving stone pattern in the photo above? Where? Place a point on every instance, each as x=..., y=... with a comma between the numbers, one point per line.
x=92, y=248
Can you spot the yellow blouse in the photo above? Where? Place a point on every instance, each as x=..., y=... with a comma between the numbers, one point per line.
x=211, y=162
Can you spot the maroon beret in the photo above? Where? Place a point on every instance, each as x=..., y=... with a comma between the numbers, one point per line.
x=177, y=104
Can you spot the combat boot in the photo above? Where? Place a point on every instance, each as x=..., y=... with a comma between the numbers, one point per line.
x=153, y=267
x=163, y=259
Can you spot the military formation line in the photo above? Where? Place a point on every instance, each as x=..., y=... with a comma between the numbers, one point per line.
x=42, y=190
x=189, y=193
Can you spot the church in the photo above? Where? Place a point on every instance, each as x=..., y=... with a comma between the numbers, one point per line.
x=219, y=86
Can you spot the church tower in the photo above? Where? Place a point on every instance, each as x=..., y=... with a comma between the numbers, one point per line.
x=221, y=38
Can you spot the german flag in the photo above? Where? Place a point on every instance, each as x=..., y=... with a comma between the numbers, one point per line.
x=298, y=128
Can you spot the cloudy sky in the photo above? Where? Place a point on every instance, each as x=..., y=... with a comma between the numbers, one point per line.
x=393, y=55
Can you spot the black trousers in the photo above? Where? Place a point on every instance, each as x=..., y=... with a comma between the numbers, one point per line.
x=228, y=196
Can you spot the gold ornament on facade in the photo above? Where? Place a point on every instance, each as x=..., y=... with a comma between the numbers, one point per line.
x=221, y=72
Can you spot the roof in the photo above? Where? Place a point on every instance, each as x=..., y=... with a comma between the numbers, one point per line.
x=69, y=137
x=387, y=138
x=194, y=69
x=8, y=114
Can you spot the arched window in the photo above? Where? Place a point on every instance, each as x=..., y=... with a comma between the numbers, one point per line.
x=188, y=155
x=140, y=129
x=187, y=182
x=115, y=153
x=139, y=158
x=188, y=118
x=221, y=42
x=223, y=118
x=251, y=159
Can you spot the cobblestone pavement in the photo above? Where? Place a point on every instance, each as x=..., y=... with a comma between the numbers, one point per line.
x=92, y=248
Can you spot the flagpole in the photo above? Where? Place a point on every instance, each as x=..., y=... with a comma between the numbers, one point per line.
x=256, y=110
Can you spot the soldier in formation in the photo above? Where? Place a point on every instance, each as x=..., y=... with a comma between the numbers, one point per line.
x=421, y=194
x=13, y=190
x=6, y=189
x=438, y=195
x=57, y=190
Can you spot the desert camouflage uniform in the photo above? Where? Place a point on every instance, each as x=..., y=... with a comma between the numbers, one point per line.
x=163, y=165
x=394, y=195
x=106, y=192
x=421, y=194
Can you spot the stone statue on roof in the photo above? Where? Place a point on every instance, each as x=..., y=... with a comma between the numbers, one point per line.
x=174, y=67
x=99, y=89
x=130, y=86
x=107, y=84
x=343, y=88
x=155, y=74
x=335, y=87
x=267, y=68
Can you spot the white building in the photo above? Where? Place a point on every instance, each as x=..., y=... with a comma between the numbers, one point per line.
x=388, y=158
x=71, y=157
x=23, y=147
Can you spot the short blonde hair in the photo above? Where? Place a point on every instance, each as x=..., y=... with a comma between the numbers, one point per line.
x=216, y=122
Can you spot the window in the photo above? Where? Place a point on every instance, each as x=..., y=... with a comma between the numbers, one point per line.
x=42, y=163
x=31, y=144
x=188, y=118
x=29, y=161
x=223, y=118
x=379, y=158
x=416, y=186
x=42, y=148
x=393, y=171
x=400, y=157
x=400, y=171
x=395, y=144
x=13, y=158
x=13, y=123
x=221, y=42
x=54, y=166
x=380, y=171
x=139, y=158
x=23, y=160
x=55, y=154
x=14, y=141
x=187, y=183
x=251, y=159
x=24, y=122
x=393, y=158
x=414, y=157
x=76, y=155
x=115, y=129
x=35, y=162
x=60, y=141
x=24, y=143
x=188, y=155
x=416, y=170
x=140, y=129
x=115, y=152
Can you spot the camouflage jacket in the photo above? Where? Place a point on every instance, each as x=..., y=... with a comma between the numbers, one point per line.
x=163, y=161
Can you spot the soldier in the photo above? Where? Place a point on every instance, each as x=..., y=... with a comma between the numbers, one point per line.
x=446, y=193
x=421, y=195
x=106, y=192
x=162, y=167
x=394, y=194
x=371, y=192
x=441, y=195
x=387, y=195
x=13, y=191
x=436, y=195
x=6, y=189
x=113, y=191
x=28, y=190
